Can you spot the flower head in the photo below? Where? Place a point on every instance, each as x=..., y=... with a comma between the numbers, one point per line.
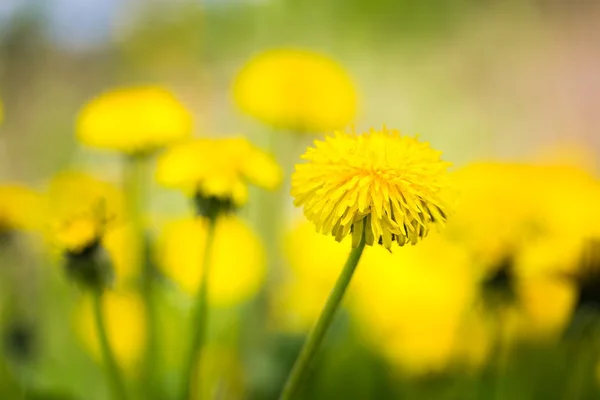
x=81, y=209
x=297, y=90
x=235, y=274
x=134, y=120
x=218, y=169
x=391, y=187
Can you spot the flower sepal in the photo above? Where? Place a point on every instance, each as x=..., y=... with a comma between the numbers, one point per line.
x=91, y=267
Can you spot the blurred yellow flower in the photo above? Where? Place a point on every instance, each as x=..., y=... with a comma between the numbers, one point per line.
x=390, y=186
x=1, y=112
x=315, y=262
x=20, y=208
x=297, y=90
x=218, y=168
x=125, y=327
x=411, y=305
x=527, y=244
x=134, y=120
x=237, y=265
x=80, y=210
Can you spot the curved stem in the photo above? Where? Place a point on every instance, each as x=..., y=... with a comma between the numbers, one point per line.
x=110, y=363
x=317, y=334
x=199, y=319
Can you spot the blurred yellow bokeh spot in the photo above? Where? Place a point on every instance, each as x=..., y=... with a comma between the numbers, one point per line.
x=134, y=120
x=237, y=263
x=125, y=321
x=20, y=208
x=296, y=90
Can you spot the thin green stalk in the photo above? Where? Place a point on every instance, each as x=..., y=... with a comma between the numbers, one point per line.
x=317, y=334
x=135, y=181
x=199, y=320
x=112, y=370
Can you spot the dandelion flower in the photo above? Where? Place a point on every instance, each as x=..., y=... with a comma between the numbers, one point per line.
x=84, y=220
x=235, y=275
x=218, y=169
x=81, y=209
x=389, y=186
x=20, y=208
x=134, y=120
x=297, y=90
x=125, y=325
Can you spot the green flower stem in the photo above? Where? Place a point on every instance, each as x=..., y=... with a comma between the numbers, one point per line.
x=112, y=370
x=136, y=190
x=199, y=319
x=317, y=334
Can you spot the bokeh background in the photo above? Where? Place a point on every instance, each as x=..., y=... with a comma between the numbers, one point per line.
x=513, y=84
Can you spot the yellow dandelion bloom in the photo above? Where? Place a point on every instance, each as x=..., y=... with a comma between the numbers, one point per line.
x=236, y=274
x=297, y=90
x=125, y=325
x=218, y=168
x=20, y=208
x=134, y=120
x=80, y=210
x=389, y=186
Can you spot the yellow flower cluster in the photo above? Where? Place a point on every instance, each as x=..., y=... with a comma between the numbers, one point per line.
x=297, y=90
x=134, y=120
x=391, y=187
x=219, y=168
x=517, y=228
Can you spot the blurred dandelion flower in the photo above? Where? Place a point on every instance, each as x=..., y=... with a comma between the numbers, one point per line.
x=1, y=112
x=411, y=305
x=125, y=320
x=314, y=262
x=218, y=169
x=236, y=275
x=392, y=187
x=134, y=120
x=84, y=218
x=524, y=250
x=21, y=209
x=81, y=209
x=297, y=90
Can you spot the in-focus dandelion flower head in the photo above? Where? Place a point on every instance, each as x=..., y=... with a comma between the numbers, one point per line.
x=134, y=120
x=217, y=170
x=389, y=186
x=297, y=90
